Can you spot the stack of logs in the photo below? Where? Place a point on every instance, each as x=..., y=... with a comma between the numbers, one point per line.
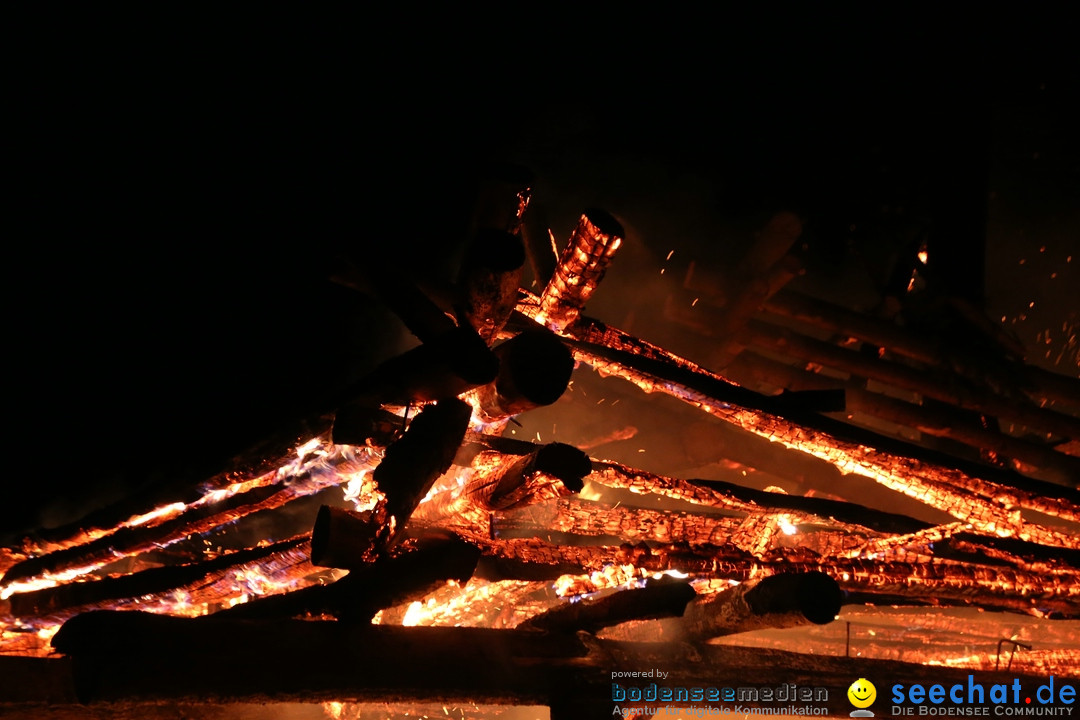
x=440, y=496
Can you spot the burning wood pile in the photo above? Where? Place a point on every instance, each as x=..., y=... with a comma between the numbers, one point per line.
x=531, y=558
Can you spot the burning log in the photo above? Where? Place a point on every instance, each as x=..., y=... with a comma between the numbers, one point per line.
x=552, y=470
x=664, y=598
x=581, y=268
x=261, y=464
x=64, y=598
x=422, y=566
x=534, y=370
x=590, y=518
x=1045, y=384
x=777, y=601
x=488, y=281
x=888, y=461
x=413, y=463
x=971, y=397
x=319, y=473
x=939, y=422
x=720, y=494
x=346, y=539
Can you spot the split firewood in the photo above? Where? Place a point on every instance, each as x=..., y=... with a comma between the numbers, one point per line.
x=426, y=450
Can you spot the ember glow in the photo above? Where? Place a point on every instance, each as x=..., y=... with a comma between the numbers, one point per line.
x=535, y=548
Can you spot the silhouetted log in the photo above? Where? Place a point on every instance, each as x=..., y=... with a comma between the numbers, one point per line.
x=345, y=538
x=423, y=565
x=165, y=657
x=146, y=582
x=363, y=424
x=426, y=450
x=133, y=657
x=488, y=281
x=423, y=317
x=443, y=367
x=777, y=601
x=534, y=370
x=799, y=346
x=580, y=269
x=659, y=598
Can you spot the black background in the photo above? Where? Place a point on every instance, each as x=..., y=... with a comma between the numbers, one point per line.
x=180, y=202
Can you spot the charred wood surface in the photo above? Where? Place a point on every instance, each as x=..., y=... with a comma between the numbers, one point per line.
x=424, y=565
x=444, y=367
x=147, y=582
x=659, y=598
x=413, y=463
x=488, y=281
x=534, y=370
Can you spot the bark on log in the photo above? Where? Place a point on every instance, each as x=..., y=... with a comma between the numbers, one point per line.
x=488, y=281
x=657, y=599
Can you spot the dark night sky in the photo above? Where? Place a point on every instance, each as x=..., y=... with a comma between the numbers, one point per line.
x=168, y=294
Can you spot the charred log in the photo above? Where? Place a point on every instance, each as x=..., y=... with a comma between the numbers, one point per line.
x=534, y=370
x=62, y=598
x=657, y=599
x=488, y=281
x=581, y=268
x=413, y=463
x=443, y=367
x=421, y=566
x=347, y=539
x=971, y=397
x=777, y=601
x=133, y=657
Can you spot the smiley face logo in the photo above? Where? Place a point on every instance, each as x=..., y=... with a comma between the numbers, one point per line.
x=862, y=693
